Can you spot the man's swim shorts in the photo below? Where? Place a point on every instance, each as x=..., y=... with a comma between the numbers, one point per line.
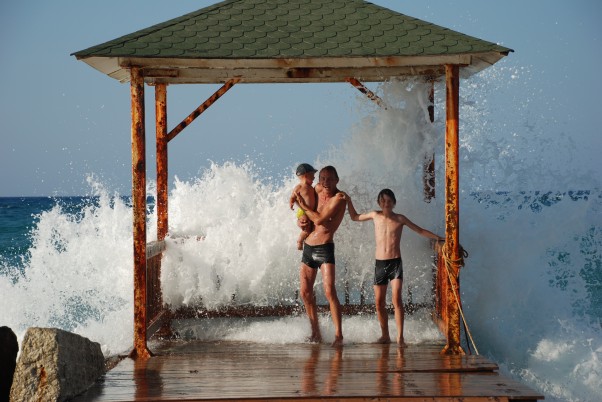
x=387, y=270
x=315, y=256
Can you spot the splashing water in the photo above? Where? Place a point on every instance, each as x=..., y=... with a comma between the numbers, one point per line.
x=531, y=287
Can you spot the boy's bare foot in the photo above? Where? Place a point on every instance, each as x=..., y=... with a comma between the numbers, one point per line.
x=314, y=339
x=338, y=342
x=383, y=340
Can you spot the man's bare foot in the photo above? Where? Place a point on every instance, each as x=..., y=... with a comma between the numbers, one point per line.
x=401, y=343
x=338, y=342
x=383, y=340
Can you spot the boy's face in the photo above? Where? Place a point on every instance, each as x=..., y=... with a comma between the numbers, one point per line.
x=386, y=202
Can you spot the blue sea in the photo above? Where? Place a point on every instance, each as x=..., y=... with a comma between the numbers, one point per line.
x=531, y=287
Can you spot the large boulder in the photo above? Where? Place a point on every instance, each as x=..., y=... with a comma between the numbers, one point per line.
x=9, y=348
x=55, y=365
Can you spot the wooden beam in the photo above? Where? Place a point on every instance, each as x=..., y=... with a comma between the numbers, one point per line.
x=204, y=106
x=289, y=63
x=452, y=206
x=362, y=88
x=194, y=75
x=162, y=160
x=139, y=211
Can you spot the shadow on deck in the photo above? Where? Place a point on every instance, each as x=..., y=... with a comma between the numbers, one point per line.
x=211, y=371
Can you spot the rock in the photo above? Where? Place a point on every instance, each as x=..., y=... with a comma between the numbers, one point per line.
x=9, y=348
x=55, y=365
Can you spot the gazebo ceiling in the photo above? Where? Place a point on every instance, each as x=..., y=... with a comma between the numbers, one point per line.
x=264, y=41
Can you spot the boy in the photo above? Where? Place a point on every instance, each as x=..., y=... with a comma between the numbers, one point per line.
x=306, y=174
x=388, y=226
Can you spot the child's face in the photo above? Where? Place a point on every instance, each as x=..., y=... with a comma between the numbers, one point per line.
x=386, y=202
x=308, y=177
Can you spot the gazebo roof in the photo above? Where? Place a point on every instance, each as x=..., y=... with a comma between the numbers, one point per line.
x=290, y=41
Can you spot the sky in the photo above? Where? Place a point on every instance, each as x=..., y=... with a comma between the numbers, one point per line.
x=62, y=122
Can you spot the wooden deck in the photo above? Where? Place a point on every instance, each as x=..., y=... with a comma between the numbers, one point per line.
x=212, y=371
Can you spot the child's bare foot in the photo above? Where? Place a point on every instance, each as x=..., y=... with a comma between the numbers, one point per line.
x=338, y=342
x=383, y=340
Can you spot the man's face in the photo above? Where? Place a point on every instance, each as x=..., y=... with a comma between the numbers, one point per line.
x=328, y=180
x=386, y=202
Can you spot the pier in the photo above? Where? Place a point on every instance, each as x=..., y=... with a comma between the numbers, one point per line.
x=218, y=371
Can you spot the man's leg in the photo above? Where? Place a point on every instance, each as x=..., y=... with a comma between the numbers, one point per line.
x=307, y=278
x=396, y=285
x=380, y=296
x=328, y=276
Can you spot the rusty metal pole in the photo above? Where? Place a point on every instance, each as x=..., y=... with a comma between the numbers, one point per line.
x=452, y=205
x=139, y=206
x=162, y=185
x=429, y=165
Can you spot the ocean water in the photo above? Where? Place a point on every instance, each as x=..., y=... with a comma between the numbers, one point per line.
x=531, y=286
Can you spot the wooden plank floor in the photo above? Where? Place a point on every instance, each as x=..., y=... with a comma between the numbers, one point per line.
x=210, y=371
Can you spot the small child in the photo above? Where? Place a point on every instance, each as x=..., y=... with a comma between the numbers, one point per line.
x=306, y=174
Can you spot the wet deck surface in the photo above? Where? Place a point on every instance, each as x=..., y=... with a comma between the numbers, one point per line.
x=206, y=371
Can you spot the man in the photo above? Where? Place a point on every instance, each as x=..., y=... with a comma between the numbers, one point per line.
x=388, y=226
x=318, y=252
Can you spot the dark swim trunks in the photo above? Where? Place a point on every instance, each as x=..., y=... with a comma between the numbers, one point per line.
x=315, y=256
x=387, y=270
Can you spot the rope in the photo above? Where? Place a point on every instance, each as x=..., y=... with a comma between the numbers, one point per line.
x=448, y=265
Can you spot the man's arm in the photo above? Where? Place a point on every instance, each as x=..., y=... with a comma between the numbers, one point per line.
x=355, y=216
x=330, y=209
x=419, y=230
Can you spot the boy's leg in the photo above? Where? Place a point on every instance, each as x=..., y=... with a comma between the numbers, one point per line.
x=396, y=285
x=330, y=291
x=380, y=300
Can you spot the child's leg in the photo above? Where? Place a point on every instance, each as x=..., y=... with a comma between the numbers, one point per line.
x=302, y=236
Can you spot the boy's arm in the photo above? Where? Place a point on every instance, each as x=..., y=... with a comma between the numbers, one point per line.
x=330, y=209
x=354, y=215
x=419, y=230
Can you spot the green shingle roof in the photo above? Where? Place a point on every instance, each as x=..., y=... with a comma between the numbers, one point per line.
x=252, y=30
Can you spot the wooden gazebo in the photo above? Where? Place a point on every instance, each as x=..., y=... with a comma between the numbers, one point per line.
x=282, y=41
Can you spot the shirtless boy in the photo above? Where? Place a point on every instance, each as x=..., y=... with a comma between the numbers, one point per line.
x=388, y=226
x=318, y=252
x=306, y=174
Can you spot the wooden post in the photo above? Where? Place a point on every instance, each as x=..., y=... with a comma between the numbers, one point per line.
x=452, y=205
x=162, y=167
x=139, y=206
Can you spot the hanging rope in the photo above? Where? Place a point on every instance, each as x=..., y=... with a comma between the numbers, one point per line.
x=449, y=263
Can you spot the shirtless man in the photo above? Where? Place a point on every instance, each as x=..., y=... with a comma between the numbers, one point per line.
x=388, y=267
x=318, y=252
